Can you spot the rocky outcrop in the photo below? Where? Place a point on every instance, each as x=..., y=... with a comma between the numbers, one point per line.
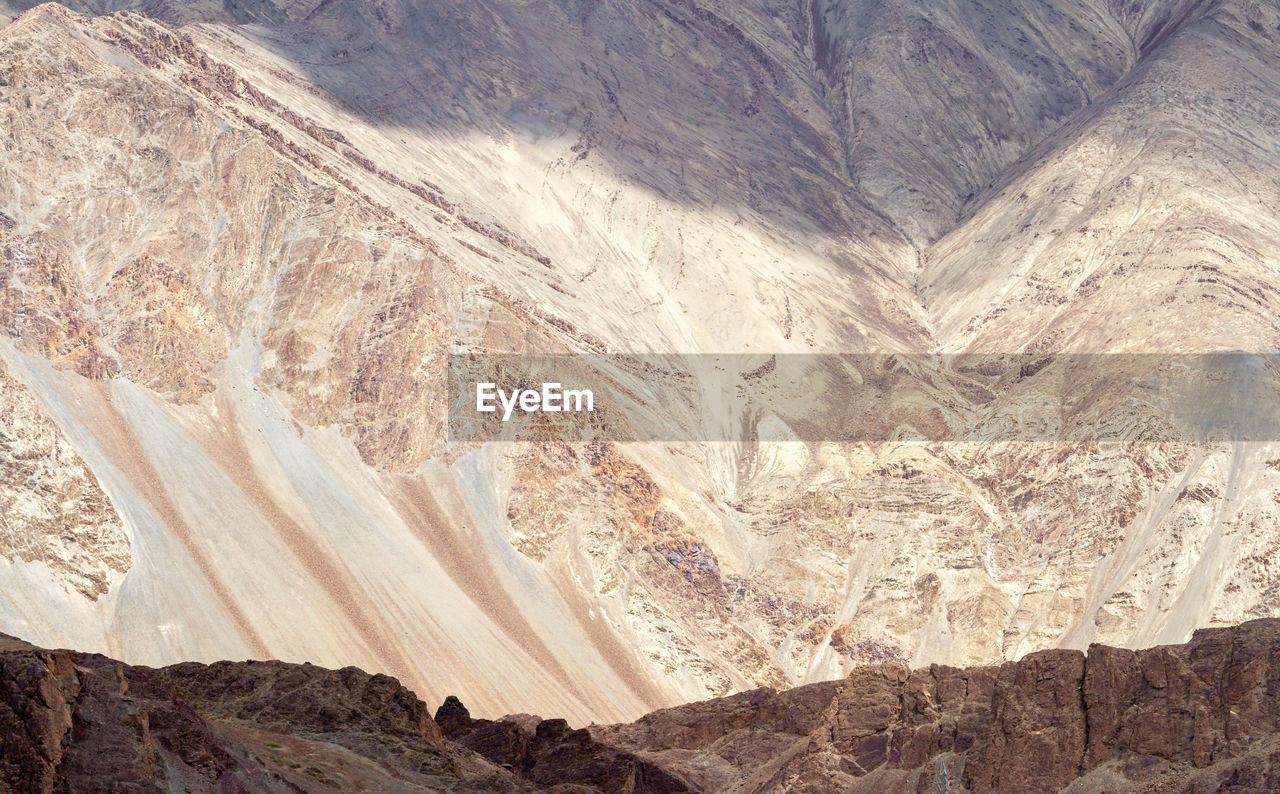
x=1170, y=718
x=549, y=752
x=43, y=307
x=1188, y=718
x=82, y=722
x=167, y=338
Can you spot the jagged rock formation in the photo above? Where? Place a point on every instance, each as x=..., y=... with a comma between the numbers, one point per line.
x=82, y=722
x=1204, y=716
x=1196, y=717
x=236, y=254
x=547, y=752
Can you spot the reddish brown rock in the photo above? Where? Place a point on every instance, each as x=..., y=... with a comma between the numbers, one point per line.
x=42, y=306
x=1199, y=717
x=552, y=753
x=82, y=722
x=1175, y=718
x=167, y=338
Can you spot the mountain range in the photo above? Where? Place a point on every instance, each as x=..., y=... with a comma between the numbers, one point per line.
x=240, y=243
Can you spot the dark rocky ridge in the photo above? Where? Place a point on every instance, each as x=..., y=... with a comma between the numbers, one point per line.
x=1204, y=716
x=83, y=722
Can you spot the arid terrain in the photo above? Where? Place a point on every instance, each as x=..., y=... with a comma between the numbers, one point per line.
x=239, y=242
x=1113, y=720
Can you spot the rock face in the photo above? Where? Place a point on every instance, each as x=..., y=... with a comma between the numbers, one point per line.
x=1204, y=716
x=82, y=722
x=1194, y=717
x=239, y=241
x=547, y=752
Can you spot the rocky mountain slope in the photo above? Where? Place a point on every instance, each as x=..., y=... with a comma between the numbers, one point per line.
x=81, y=722
x=238, y=242
x=1197, y=717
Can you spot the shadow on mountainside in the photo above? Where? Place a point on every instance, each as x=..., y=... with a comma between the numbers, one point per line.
x=860, y=119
